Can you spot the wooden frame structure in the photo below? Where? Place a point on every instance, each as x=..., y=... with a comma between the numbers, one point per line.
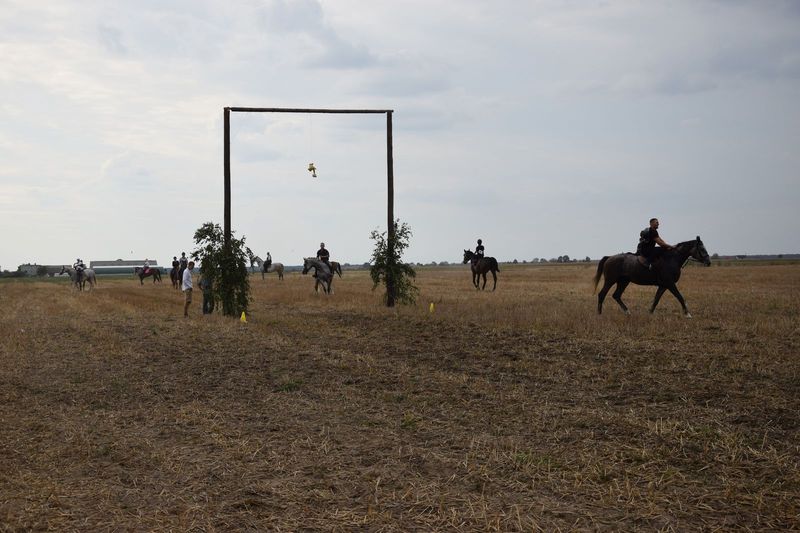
x=390, y=289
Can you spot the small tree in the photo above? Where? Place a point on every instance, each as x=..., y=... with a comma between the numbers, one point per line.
x=227, y=269
x=387, y=265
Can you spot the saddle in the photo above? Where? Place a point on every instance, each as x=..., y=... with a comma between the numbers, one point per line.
x=655, y=263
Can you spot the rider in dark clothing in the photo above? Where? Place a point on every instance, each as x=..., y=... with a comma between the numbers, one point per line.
x=648, y=238
x=323, y=254
x=478, y=255
x=183, y=264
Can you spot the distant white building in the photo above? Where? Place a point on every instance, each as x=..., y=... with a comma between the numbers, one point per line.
x=29, y=269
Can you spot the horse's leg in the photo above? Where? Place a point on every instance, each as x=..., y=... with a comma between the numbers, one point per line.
x=659, y=293
x=621, y=286
x=675, y=292
x=484, y=280
x=494, y=275
x=602, y=295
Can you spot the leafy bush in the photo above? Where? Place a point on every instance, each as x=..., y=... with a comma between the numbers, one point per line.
x=387, y=265
x=226, y=269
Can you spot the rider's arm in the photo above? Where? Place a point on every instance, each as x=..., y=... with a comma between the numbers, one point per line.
x=661, y=243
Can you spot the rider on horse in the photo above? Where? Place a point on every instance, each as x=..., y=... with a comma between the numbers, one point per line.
x=479, y=252
x=79, y=267
x=183, y=265
x=323, y=254
x=146, y=266
x=267, y=262
x=646, y=250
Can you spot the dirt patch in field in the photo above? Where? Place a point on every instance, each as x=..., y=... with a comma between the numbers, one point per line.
x=531, y=413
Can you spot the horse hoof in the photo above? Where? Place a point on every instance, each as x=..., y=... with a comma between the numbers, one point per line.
x=627, y=313
x=688, y=315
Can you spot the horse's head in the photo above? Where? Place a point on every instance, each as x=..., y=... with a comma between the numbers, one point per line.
x=306, y=265
x=700, y=253
x=63, y=270
x=467, y=256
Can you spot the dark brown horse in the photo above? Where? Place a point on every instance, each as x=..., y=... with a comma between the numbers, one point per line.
x=156, y=273
x=336, y=268
x=480, y=266
x=623, y=269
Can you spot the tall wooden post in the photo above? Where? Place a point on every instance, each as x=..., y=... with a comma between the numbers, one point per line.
x=390, y=288
x=227, y=156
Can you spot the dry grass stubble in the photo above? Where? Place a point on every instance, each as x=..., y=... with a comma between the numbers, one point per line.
x=517, y=410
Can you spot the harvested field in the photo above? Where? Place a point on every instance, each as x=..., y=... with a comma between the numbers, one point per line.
x=515, y=410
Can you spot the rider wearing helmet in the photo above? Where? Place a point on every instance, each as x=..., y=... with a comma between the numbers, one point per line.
x=479, y=249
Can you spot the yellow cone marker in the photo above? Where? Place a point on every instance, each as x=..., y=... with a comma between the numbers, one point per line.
x=430, y=309
x=244, y=318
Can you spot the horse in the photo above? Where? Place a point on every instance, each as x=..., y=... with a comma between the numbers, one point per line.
x=88, y=275
x=480, y=266
x=174, y=278
x=622, y=269
x=155, y=272
x=322, y=273
x=336, y=267
x=255, y=261
x=272, y=267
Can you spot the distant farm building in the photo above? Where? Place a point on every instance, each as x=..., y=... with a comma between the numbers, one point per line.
x=121, y=266
x=29, y=269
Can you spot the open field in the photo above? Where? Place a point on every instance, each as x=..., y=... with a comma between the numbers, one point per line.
x=515, y=410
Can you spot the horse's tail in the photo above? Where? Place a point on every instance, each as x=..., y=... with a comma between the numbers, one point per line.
x=599, y=272
x=495, y=265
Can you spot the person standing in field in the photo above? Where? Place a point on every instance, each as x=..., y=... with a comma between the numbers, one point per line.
x=646, y=249
x=207, y=286
x=186, y=287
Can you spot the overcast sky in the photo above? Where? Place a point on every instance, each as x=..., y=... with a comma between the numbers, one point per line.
x=543, y=127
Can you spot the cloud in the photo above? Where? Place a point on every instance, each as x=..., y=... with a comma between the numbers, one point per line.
x=319, y=44
x=111, y=39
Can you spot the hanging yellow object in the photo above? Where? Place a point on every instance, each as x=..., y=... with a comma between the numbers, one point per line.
x=430, y=309
x=243, y=318
x=312, y=169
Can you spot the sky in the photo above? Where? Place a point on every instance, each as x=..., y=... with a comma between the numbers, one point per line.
x=543, y=127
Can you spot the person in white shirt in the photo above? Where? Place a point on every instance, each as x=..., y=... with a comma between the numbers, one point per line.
x=186, y=287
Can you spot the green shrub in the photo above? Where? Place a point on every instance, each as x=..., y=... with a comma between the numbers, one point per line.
x=227, y=269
